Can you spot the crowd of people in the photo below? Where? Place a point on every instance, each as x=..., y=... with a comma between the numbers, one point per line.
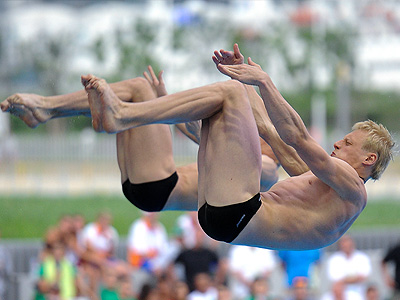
x=79, y=261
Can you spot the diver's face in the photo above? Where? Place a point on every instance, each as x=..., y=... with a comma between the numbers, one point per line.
x=350, y=149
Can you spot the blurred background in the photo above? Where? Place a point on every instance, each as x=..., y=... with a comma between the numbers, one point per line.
x=335, y=61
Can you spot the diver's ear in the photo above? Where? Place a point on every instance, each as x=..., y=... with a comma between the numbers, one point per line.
x=370, y=159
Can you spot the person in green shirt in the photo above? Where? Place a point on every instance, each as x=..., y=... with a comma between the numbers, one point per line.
x=125, y=291
x=109, y=288
x=57, y=275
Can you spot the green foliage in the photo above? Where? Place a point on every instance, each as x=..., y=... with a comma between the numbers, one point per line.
x=338, y=43
x=135, y=50
x=72, y=124
x=17, y=126
x=31, y=216
x=301, y=102
x=98, y=49
x=196, y=39
x=380, y=106
x=78, y=123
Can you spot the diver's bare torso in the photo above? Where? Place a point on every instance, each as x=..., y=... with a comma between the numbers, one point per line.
x=300, y=213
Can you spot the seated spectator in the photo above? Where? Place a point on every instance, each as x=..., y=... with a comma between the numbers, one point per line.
x=164, y=286
x=65, y=225
x=338, y=292
x=300, y=289
x=187, y=224
x=259, y=290
x=203, y=288
x=126, y=289
x=51, y=237
x=350, y=266
x=109, y=286
x=392, y=281
x=180, y=290
x=372, y=293
x=57, y=275
x=68, y=235
x=79, y=223
x=148, y=292
x=147, y=244
x=224, y=293
x=245, y=265
x=99, y=240
x=299, y=264
x=199, y=259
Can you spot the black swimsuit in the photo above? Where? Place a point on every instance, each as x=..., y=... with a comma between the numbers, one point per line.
x=226, y=222
x=150, y=196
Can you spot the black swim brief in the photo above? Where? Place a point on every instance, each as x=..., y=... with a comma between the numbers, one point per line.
x=226, y=222
x=150, y=196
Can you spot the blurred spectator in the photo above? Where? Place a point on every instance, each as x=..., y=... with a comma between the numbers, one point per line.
x=350, y=266
x=66, y=226
x=259, y=290
x=99, y=240
x=186, y=226
x=203, y=288
x=78, y=222
x=372, y=293
x=57, y=275
x=148, y=292
x=299, y=289
x=147, y=244
x=392, y=256
x=199, y=259
x=180, y=290
x=68, y=236
x=51, y=237
x=165, y=286
x=125, y=290
x=109, y=286
x=299, y=264
x=245, y=265
x=5, y=270
x=224, y=293
x=338, y=292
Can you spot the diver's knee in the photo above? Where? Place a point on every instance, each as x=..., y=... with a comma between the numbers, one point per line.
x=233, y=91
x=141, y=89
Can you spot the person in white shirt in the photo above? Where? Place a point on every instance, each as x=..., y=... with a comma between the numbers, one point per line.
x=349, y=266
x=147, y=244
x=245, y=265
x=100, y=236
x=187, y=224
x=204, y=289
x=338, y=292
x=98, y=243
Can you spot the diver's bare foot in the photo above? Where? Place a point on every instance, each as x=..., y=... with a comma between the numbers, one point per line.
x=103, y=104
x=94, y=102
x=28, y=107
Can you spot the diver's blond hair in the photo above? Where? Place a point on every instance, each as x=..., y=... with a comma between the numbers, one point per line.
x=378, y=141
